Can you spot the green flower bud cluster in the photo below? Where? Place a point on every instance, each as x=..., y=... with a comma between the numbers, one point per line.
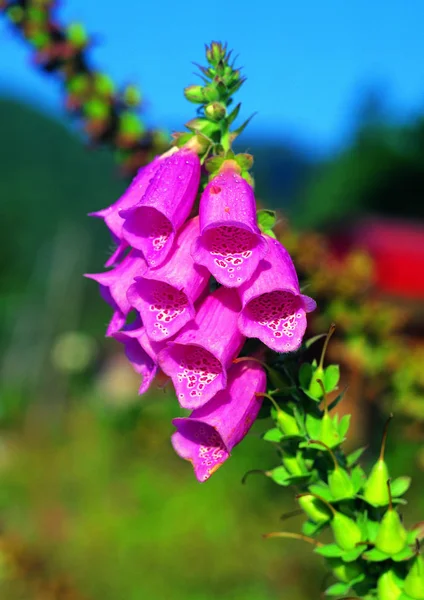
x=109, y=116
x=372, y=555
x=211, y=130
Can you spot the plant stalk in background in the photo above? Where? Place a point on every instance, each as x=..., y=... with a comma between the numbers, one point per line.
x=110, y=116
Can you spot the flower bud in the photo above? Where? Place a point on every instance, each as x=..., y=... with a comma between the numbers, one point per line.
x=215, y=111
x=211, y=93
x=194, y=93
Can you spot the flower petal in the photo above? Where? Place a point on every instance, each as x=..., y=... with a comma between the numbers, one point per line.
x=152, y=224
x=198, y=359
x=208, y=435
x=165, y=296
x=273, y=308
x=230, y=244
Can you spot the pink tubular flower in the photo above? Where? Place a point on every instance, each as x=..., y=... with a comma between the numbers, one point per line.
x=152, y=224
x=130, y=197
x=198, y=359
x=208, y=435
x=114, y=285
x=274, y=310
x=164, y=297
x=230, y=244
x=141, y=352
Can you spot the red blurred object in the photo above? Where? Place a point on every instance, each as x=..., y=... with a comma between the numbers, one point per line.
x=396, y=246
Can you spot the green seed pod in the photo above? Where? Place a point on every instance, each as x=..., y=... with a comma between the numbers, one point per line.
x=287, y=423
x=346, y=532
x=391, y=536
x=293, y=464
x=344, y=571
x=340, y=484
x=414, y=582
x=315, y=509
x=387, y=587
x=328, y=434
x=339, y=481
x=314, y=386
x=376, y=491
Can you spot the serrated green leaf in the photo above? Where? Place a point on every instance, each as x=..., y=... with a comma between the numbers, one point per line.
x=337, y=589
x=270, y=233
x=331, y=377
x=353, y=457
x=400, y=485
x=329, y=551
x=266, y=219
x=273, y=435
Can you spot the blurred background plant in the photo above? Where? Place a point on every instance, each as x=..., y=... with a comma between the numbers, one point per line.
x=91, y=495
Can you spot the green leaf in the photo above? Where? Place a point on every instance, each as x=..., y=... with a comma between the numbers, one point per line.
x=270, y=233
x=372, y=530
x=266, y=219
x=375, y=555
x=245, y=161
x=344, y=425
x=321, y=490
x=279, y=475
x=214, y=164
x=405, y=554
x=233, y=114
x=358, y=477
x=352, y=555
x=331, y=377
x=239, y=130
x=314, y=339
x=353, y=457
x=400, y=485
x=305, y=375
x=311, y=529
x=313, y=426
x=337, y=400
x=337, y=589
x=329, y=551
x=273, y=435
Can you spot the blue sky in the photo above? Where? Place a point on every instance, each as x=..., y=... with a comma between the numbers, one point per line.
x=307, y=62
